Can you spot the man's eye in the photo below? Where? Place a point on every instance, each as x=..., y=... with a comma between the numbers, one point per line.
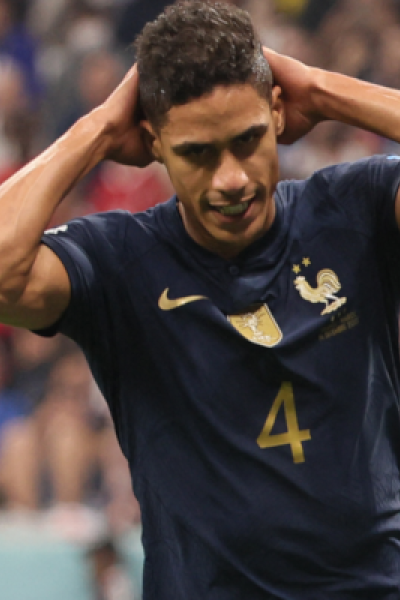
x=200, y=155
x=249, y=138
x=245, y=145
x=198, y=151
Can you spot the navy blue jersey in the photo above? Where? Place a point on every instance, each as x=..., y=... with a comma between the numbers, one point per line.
x=257, y=399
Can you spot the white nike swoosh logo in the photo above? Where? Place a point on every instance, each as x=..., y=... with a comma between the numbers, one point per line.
x=166, y=303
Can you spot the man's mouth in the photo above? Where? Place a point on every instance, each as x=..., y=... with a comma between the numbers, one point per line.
x=232, y=210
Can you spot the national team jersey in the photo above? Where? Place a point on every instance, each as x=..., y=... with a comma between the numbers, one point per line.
x=256, y=399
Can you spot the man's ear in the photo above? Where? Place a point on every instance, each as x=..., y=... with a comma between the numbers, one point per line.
x=278, y=110
x=151, y=140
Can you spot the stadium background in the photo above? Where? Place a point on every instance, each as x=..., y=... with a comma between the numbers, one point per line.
x=69, y=524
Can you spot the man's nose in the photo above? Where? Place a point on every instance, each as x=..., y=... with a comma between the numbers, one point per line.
x=229, y=177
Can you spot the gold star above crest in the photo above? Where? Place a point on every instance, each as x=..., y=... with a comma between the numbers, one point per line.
x=306, y=262
x=296, y=269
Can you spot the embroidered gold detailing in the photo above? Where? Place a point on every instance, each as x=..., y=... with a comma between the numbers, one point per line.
x=166, y=303
x=306, y=262
x=328, y=285
x=337, y=325
x=296, y=269
x=258, y=326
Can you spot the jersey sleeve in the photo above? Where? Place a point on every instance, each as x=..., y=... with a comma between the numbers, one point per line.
x=367, y=189
x=366, y=192
x=383, y=184
x=92, y=250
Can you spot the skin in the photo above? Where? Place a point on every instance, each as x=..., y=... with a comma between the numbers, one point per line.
x=220, y=151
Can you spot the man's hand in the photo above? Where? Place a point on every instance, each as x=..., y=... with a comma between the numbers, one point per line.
x=297, y=83
x=122, y=114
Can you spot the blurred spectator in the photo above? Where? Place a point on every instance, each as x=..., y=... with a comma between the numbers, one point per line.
x=33, y=358
x=86, y=85
x=49, y=457
x=329, y=143
x=292, y=8
x=134, y=15
x=89, y=30
x=67, y=432
x=17, y=44
x=283, y=35
x=386, y=58
x=313, y=13
x=18, y=123
x=111, y=581
x=64, y=455
x=19, y=10
x=117, y=186
x=13, y=404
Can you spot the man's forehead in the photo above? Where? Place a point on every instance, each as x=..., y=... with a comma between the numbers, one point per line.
x=227, y=110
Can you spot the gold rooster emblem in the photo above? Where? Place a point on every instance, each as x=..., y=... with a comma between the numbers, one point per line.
x=328, y=285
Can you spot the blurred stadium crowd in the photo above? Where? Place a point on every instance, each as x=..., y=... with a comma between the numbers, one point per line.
x=58, y=59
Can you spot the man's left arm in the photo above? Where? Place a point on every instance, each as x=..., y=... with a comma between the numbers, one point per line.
x=312, y=95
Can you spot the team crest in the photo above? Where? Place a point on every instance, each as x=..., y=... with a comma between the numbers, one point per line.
x=328, y=285
x=258, y=326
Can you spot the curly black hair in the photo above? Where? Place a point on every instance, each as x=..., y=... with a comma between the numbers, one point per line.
x=192, y=47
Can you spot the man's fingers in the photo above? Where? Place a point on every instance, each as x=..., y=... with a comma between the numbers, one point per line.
x=268, y=52
x=271, y=56
x=131, y=74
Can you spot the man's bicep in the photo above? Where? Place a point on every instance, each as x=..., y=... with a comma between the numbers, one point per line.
x=46, y=295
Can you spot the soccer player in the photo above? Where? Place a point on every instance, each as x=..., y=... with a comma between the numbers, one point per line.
x=245, y=332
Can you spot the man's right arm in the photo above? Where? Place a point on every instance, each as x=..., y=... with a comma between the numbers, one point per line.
x=34, y=285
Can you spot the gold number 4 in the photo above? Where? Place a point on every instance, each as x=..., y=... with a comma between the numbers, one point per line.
x=294, y=436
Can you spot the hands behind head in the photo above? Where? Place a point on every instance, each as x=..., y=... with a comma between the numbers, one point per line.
x=121, y=115
x=121, y=112
x=298, y=87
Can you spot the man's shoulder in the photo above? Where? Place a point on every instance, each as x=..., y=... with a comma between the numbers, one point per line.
x=118, y=230
x=341, y=179
x=328, y=175
x=357, y=173
x=348, y=194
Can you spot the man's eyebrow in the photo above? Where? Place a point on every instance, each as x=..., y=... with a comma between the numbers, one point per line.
x=185, y=147
x=257, y=130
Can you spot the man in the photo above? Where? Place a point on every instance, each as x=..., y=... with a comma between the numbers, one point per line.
x=245, y=332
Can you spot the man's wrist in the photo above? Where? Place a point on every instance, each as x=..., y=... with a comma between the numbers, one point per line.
x=322, y=95
x=339, y=97
x=98, y=134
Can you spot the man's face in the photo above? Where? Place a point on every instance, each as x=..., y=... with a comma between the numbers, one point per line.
x=221, y=155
